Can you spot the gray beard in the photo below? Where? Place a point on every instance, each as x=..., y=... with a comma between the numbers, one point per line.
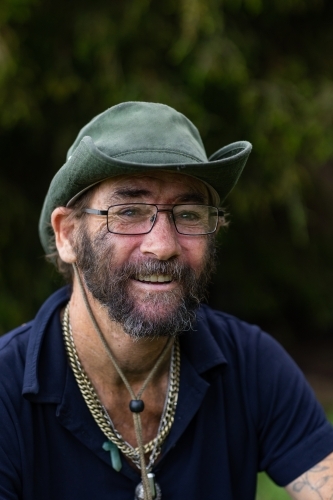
x=158, y=314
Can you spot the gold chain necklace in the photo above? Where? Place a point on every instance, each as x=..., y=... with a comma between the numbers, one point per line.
x=99, y=412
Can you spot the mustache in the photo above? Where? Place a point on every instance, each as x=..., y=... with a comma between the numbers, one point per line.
x=177, y=270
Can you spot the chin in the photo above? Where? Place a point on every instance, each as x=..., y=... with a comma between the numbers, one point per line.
x=153, y=317
x=158, y=304
x=156, y=314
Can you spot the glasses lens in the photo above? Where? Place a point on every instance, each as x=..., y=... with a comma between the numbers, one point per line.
x=195, y=219
x=136, y=218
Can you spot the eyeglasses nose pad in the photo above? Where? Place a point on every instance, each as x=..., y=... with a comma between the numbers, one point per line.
x=153, y=218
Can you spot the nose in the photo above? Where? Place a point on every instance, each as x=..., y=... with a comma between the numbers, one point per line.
x=162, y=242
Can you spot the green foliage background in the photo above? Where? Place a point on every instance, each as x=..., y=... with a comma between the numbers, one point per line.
x=259, y=70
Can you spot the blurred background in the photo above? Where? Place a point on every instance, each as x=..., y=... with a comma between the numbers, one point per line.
x=259, y=70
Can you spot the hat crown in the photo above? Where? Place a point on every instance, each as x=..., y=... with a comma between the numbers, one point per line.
x=142, y=132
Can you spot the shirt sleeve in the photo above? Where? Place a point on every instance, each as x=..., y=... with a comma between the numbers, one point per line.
x=294, y=434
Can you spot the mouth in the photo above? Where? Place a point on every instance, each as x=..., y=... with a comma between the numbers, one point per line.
x=154, y=278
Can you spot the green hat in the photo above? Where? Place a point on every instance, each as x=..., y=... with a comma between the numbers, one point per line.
x=135, y=137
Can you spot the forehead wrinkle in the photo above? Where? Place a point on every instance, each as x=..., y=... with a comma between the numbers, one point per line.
x=128, y=193
x=189, y=197
x=164, y=188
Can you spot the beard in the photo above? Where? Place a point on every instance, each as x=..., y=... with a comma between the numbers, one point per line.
x=154, y=314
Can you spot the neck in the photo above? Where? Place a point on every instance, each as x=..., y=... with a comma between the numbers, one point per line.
x=136, y=358
x=145, y=370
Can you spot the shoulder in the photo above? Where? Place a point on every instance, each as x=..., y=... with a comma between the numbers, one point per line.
x=254, y=361
x=290, y=425
x=15, y=339
x=221, y=323
x=235, y=335
x=13, y=349
x=241, y=353
x=20, y=348
x=14, y=335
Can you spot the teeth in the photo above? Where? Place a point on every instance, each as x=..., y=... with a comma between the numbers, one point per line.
x=153, y=278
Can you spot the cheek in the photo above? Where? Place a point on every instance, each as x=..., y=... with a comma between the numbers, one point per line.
x=195, y=251
x=124, y=247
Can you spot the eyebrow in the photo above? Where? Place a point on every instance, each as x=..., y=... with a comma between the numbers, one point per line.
x=128, y=193
x=192, y=197
x=131, y=193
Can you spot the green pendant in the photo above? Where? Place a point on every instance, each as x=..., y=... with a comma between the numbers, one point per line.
x=114, y=454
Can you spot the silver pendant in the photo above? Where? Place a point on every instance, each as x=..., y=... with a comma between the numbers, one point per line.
x=154, y=487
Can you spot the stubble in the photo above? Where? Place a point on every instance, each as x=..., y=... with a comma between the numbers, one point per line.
x=153, y=314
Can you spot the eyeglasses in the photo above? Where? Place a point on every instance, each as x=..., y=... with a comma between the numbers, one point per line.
x=139, y=218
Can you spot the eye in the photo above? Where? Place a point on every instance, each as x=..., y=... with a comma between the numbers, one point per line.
x=128, y=212
x=188, y=216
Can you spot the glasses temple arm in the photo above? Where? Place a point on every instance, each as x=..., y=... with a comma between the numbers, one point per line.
x=94, y=211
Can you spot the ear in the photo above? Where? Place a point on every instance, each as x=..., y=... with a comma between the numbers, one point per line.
x=63, y=227
x=219, y=225
x=222, y=222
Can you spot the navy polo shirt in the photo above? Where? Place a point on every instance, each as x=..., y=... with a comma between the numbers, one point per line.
x=243, y=407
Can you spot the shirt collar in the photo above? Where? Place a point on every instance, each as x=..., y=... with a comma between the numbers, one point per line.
x=200, y=345
x=46, y=363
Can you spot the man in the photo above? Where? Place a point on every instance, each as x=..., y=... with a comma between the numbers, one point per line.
x=123, y=387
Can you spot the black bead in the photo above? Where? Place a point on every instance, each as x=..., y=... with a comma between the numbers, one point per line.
x=136, y=405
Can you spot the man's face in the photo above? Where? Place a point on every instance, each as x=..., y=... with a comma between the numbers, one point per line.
x=152, y=283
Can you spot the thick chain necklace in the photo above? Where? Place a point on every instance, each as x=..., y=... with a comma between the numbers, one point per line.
x=102, y=417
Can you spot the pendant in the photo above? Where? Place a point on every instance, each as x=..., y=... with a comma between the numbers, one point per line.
x=114, y=454
x=154, y=487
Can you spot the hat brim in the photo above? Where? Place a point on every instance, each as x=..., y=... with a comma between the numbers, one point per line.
x=89, y=166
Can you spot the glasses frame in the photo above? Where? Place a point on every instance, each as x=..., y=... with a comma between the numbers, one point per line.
x=94, y=211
